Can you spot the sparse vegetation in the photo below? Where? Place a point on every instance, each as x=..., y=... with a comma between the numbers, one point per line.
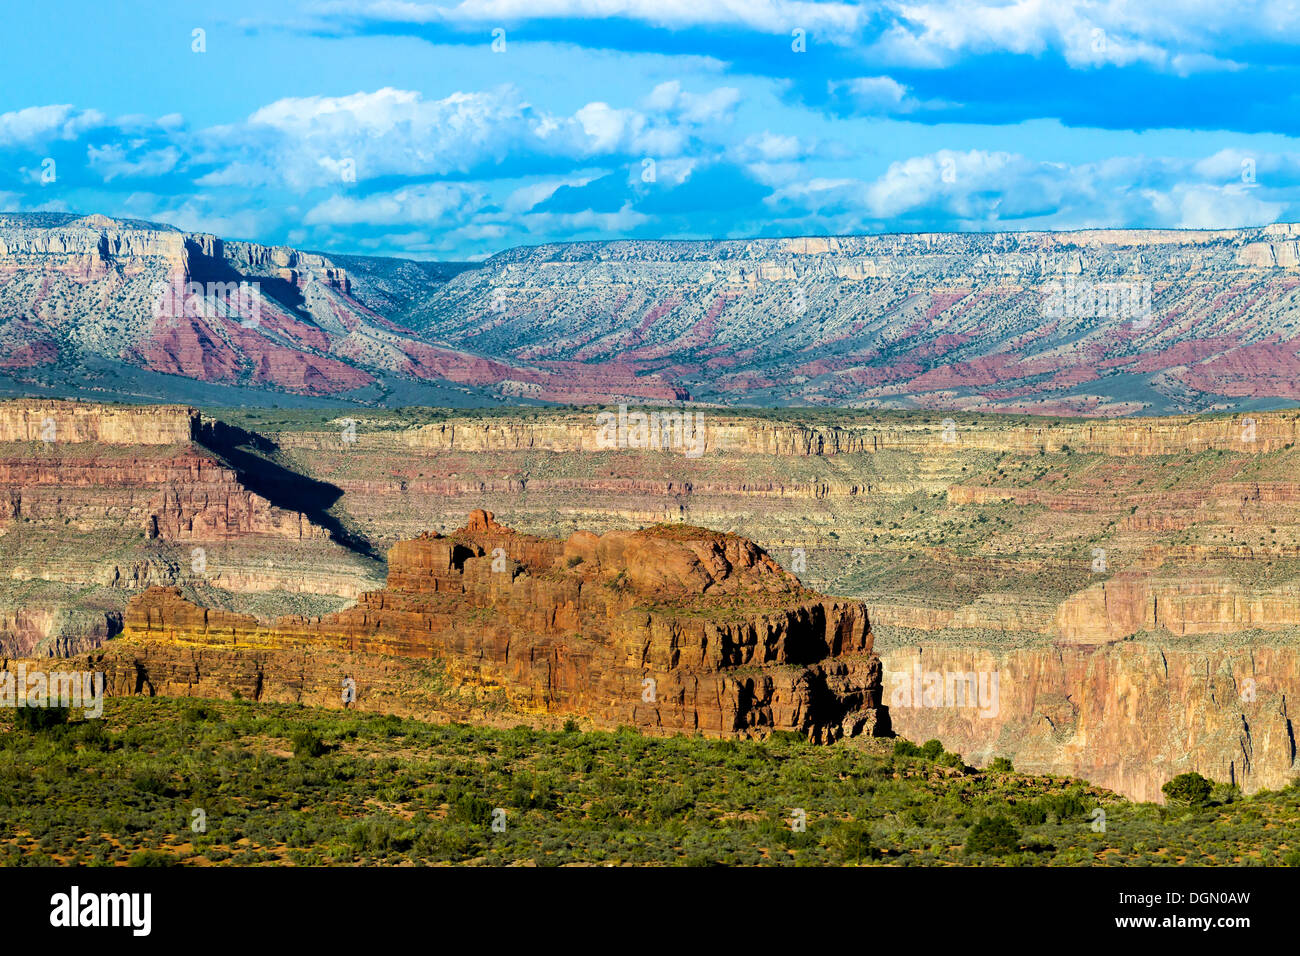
x=385, y=790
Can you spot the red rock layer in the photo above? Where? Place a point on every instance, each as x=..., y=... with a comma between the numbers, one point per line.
x=182, y=496
x=668, y=629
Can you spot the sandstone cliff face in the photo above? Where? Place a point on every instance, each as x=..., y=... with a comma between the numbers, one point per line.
x=725, y=433
x=1128, y=716
x=52, y=422
x=669, y=630
x=185, y=495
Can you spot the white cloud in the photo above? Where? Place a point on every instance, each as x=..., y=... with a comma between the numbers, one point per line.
x=112, y=161
x=310, y=142
x=428, y=203
x=37, y=124
x=1175, y=35
x=716, y=106
x=880, y=95
x=765, y=15
x=999, y=190
x=1198, y=206
x=527, y=197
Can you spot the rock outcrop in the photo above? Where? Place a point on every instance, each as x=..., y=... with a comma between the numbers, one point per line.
x=668, y=629
x=56, y=422
x=1128, y=716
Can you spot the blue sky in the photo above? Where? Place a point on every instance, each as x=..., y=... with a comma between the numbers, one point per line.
x=396, y=128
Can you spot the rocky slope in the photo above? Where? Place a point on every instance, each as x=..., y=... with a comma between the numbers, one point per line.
x=669, y=629
x=1128, y=715
x=1084, y=323
x=127, y=308
x=97, y=502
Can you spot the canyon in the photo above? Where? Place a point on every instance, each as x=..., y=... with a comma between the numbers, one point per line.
x=1093, y=323
x=1133, y=583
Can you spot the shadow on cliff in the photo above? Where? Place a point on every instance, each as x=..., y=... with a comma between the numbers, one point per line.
x=253, y=456
x=204, y=268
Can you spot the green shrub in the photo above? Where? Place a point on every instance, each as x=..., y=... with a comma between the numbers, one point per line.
x=307, y=744
x=471, y=809
x=1190, y=789
x=951, y=760
x=787, y=736
x=151, y=858
x=38, y=719
x=150, y=781
x=850, y=843
x=992, y=836
x=672, y=803
x=1000, y=765
x=905, y=748
x=931, y=749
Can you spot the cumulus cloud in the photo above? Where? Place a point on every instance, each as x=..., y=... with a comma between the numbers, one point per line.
x=306, y=142
x=979, y=189
x=1179, y=36
x=470, y=173
x=716, y=106
x=879, y=95
x=765, y=15
x=428, y=203
x=37, y=124
x=527, y=197
x=115, y=160
x=1201, y=206
x=1175, y=35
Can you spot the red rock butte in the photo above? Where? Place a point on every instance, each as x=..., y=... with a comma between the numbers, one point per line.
x=668, y=629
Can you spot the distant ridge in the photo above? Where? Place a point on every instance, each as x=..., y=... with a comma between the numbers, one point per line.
x=1092, y=322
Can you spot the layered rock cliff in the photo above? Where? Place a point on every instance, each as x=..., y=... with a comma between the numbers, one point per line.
x=668, y=629
x=98, y=501
x=58, y=422
x=1083, y=323
x=1128, y=716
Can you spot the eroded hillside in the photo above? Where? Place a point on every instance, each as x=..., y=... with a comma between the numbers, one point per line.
x=1094, y=323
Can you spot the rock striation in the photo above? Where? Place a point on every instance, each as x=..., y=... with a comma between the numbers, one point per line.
x=1128, y=716
x=668, y=629
x=1092, y=323
x=97, y=501
x=54, y=422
